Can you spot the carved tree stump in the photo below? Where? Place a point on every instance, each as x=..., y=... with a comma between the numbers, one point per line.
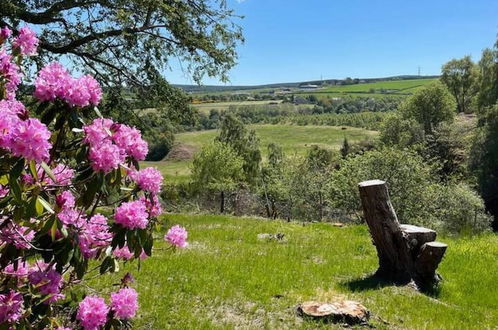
x=405, y=252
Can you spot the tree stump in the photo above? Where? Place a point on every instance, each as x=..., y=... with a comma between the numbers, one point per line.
x=346, y=311
x=405, y=252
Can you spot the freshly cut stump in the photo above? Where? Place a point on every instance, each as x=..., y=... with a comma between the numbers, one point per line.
x=346, y=311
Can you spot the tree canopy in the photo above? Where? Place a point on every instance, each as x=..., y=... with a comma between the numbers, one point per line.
x=119, y=40
x=460, y=76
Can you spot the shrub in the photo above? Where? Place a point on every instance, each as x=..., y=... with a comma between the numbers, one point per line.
x=55, y=173
x=404, y=171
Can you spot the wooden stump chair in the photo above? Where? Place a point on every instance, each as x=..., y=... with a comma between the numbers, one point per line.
x=406, y=253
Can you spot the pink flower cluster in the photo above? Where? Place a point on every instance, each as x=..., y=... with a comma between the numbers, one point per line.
x=10, y=72
x=111, y=143
x=30, y=139
x=124, y=253
x=152, y=204
x=148, y=179
x=26, y=42
x=19, y=236
x=132, y=215
x=48, y=282
x=124, y=303
x=21, y=271
x=11, y=307
x=68, y=214
x=24, y=138
x=5, y=33
x=94, y=236
x=55, y=82
x=93, y=311
x=177, y=236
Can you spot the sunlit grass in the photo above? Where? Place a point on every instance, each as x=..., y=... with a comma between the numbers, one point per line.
x=227, y=278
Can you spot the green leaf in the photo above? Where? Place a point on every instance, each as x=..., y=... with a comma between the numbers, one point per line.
x=48, y=171
x=46, y=205
x=32, y=168
x=53, y=230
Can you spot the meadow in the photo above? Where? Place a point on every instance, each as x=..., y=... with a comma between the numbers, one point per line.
x=225, y=106
x=294, y=140
x=203, y=287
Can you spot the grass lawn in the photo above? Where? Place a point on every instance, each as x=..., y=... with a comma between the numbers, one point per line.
x=172, y=170
x=227, y=278
x=400, y=86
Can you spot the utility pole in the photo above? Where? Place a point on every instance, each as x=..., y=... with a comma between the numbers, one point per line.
x=419, y=70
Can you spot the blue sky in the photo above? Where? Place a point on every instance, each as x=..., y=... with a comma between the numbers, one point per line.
x=304, y=40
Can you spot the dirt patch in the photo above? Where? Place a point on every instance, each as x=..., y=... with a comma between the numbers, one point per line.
x=181, y=152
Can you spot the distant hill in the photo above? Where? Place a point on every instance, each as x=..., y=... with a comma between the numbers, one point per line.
x=221, y=88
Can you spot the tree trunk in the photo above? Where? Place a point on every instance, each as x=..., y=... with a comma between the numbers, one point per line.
x=222, y=202
x=405, y=252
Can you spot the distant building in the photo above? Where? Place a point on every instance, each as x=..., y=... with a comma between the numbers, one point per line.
x=308, y=86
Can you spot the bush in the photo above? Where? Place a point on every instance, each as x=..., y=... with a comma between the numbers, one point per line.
x=456, y=208
x=160, y=146
x=55, y=173
x=404, y=171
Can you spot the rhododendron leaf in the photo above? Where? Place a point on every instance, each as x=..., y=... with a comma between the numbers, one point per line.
x=97, y=111
x=49, y=172
x=53, y=230
x=32, y=168
x=48, y=224
x=39, y=207
x=15, y=188
x=106, y=265
x=4, y=179
x=77, y=130
x=46, y=205
x=91, y=189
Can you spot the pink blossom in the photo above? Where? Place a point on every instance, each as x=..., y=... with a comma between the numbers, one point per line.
x=132, y=215
x=21, y=271
x=30, y=139
x=153, y=206
x=130, y=140
x=26, y=41
x=105, y=157
x=48, y=282
x=11, y=73
x=11, y=307
x=123, y=253
x=13, y=107
x=95, y=235
x=177, y=236
x=148, y=179
x=4, y=191
x=17, y=235
x=98, y=132
x=92, y=312
x=52, y=82
x=63, y=176
x=65, y=200
x=124, y=303
x=5, y=33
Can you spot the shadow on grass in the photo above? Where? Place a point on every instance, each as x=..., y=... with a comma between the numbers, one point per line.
x=375, y=282
x=370, y=282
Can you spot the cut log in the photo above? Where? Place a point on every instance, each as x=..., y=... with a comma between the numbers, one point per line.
x=395, y=261
x=346, y=311
x=427, y=261
x=417, y=236
x=405, y=252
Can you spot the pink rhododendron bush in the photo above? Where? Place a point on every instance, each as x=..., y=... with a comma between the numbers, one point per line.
x=61, y=164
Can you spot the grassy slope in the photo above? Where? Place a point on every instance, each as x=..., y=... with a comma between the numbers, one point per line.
x=227, y=278
x=293, y=139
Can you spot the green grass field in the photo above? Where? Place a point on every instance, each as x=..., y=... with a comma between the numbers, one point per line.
x=224, y=106
x=295, y=140
x=228, y=279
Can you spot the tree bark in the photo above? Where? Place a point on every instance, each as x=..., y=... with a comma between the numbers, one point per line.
x=222, y=202
x=405, y=252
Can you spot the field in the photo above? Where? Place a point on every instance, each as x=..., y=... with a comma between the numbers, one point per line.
x=203, y=287
x=224, y=106
x=293, y=139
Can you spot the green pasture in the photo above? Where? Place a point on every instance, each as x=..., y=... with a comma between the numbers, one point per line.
x=229, y=279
